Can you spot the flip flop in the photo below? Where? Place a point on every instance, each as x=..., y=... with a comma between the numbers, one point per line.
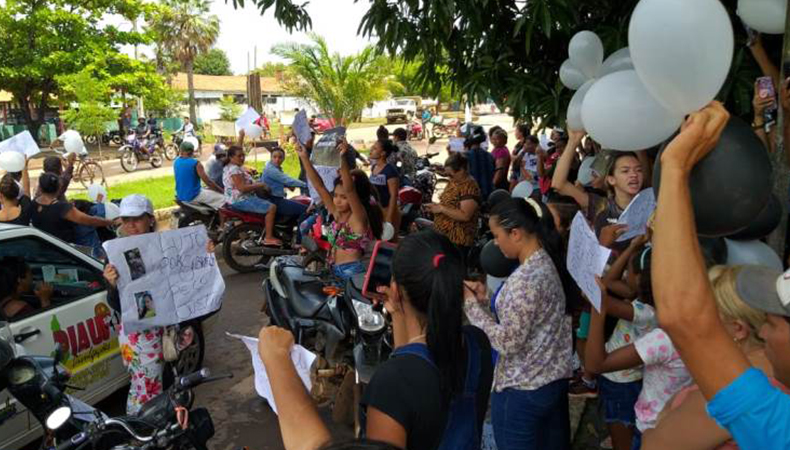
x=272, y=243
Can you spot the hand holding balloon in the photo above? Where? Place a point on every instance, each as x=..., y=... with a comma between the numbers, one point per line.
x=698, y=136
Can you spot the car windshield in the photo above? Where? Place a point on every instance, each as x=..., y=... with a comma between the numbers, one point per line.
x=405, y=102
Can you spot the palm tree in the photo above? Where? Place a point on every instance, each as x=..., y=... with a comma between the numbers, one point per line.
x=185, y=29
x=340, y=86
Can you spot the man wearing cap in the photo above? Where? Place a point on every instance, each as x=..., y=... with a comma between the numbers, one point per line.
x=216, y=164
x=740, y=397
x=188, y=172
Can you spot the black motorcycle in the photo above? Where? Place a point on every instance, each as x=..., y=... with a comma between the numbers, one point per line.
x=112, y=136
x=172, y=148
x=39, y=383
x=189, y=214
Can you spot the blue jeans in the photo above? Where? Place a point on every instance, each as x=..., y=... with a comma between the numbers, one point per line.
x=536, y=419
x=253, y=205
x=347, y=270
x=618, y=399
x=287, y=207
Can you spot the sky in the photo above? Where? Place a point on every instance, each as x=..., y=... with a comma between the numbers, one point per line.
x=243, y=29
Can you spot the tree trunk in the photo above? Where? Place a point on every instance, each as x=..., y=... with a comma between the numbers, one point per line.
x=32, y=125
x=781, y=173
x=191, y=88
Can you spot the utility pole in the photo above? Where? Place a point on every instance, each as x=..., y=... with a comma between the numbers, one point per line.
x=248, y=62
x=255, y=58
x=140, y=108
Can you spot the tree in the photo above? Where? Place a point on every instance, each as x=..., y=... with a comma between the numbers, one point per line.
x=186, y=30
x=409, y=83
x=91, y=116
x=229, y=109
x=271, y=69
x=213, y=62
x=43, y=41
x=340, y=86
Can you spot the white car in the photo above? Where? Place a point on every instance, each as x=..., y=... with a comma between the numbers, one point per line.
x=79, y=319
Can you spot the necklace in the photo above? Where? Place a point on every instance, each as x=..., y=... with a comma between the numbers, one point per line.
x=416, y=338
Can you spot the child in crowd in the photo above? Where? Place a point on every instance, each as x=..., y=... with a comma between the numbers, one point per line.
x=501, y=159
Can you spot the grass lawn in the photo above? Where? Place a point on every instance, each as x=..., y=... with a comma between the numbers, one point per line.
x=162, y=190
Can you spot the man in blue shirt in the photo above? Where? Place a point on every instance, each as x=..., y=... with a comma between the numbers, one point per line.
x=481, y=162
x=188, y=172
x=277, y=180
x=741, y=399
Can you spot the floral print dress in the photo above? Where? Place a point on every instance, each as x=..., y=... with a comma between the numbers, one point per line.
x=142, y=355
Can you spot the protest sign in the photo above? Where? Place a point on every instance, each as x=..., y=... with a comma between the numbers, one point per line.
x=325, y=151
x=249, y=116
x=223, y=128
x=328, y=175
x=456, y=144
x=636, y=214
x=301, y=127
x=21, y=143
x=586, y=259
x=301, y=357
x=165, y=278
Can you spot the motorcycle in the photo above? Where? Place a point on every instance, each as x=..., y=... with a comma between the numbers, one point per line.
x=430, y=178
x=442, y=129
x=243, y=233
x=135, y=151
x=165, y=422
x=414, y=131
x=172, y=148
x=330, y=317
x=112, y=136
x=190, y=213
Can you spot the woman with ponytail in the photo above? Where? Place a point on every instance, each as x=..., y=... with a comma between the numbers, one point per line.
x=407, y=400
x=530, y=329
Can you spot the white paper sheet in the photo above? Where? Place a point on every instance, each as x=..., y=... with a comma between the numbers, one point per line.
x=328, y=175
x=637, y=213
x=249, y=116
x=301, y=357
x=21, y=143
x=301, y=127
x=456, y=144
x=586, y=259
x=165, y=278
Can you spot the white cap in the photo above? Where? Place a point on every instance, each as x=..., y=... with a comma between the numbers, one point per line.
x=136, y=205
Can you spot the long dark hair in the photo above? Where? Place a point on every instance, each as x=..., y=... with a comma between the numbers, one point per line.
x=8, y=187
x=641, y=263
x=430, y=270
x=365, y=192
x=517, y=213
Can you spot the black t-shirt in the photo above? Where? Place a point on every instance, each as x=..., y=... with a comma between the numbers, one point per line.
x=26, y=210
x=409, y=390
x=52, y=219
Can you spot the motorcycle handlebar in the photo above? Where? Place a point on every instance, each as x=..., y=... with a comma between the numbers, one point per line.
x=193, y=379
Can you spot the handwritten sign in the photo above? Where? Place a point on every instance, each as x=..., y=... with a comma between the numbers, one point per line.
x=637, y=213
x=21, y=143
x=165, y=278
x=456, y=144
x=328, y=175
x=586, y=259
x=249, y=116
x=300, y=356
x=301, y=127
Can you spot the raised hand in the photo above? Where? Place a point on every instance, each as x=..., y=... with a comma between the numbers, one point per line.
x=698, y=136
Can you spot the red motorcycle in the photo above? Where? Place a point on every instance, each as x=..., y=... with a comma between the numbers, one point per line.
x=243, y=233
x=415, y=131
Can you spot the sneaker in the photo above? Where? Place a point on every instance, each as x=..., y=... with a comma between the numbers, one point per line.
x=583, y=388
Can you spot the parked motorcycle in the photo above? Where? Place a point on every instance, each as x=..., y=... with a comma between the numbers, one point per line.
x=172, y=148
x=190, y=213
x=430, y=178
x=442, y=129
x=112, y=136
x=326, y=315
x=243, y=233
x=165, y=422
x=135, y=151
x=415, y=131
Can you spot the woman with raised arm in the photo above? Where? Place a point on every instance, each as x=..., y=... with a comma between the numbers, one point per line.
x=358, y=219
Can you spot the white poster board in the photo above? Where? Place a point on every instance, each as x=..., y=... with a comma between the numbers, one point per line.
x=636, y=214
x=165, y=278
x=21, y=143
x=456, y=144
x=301, y=357
x=328, y=175
x=301, y=127
x=249, y=116
x=586, y=259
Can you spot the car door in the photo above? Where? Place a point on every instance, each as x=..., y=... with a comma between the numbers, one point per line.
x=78, y=319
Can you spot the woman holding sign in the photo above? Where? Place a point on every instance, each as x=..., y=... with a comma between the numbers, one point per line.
x=141, y=351
x=358, y=219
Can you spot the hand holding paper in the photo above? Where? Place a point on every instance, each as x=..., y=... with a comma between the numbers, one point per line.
x=586, y=259
x=637, y=214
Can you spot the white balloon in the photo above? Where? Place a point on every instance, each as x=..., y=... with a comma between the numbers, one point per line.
x=387, y=232
x=752, y=252
x=765, y=16
x=12, y=161
x=96, y=190
x=682, y=50
x=620, y=114
x=571, y=76
x=522, y=190
x=253, y=131
x=586, y=52
x=616, y=62
x=73, y=144
x=194, y=141
x=575, y=107
x=111, y=211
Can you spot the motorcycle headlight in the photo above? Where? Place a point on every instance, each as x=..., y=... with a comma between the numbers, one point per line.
x=369, y=321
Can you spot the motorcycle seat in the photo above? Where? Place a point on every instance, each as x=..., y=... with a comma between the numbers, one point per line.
x=200, y=207
x=308, y=295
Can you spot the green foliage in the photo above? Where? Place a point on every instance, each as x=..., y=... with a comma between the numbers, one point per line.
x=164, y=101
x=90, y=116
x=407, y=74
x=229, y=109
x=43, y=41
x=270, y=69
x=340, y=86
x=213, y=62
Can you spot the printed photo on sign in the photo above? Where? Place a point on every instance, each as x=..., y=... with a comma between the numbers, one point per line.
x=135, y=262
x=145, y=305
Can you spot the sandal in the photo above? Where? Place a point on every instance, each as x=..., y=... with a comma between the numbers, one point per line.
x=272, y=243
